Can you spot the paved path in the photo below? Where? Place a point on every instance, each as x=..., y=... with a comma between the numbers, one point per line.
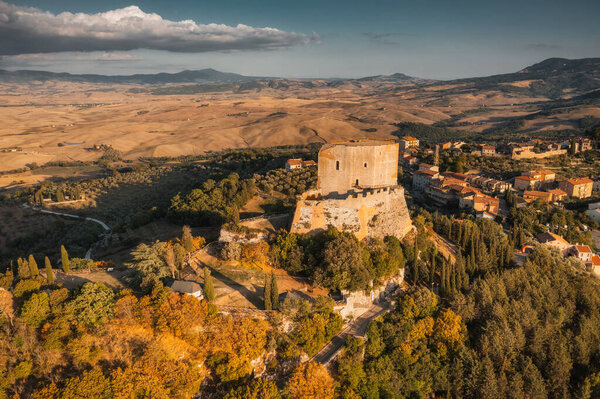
x=88, y=254
x=101, y=223
x=357, y=328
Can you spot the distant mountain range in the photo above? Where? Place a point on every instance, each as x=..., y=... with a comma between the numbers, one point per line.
x=198, y=76
x=550, y=78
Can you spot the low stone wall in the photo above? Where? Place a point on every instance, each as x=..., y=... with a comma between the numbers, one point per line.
x=531, y=154
x=366, y=213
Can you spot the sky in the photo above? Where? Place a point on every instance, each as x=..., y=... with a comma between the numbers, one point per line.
x=435, y=39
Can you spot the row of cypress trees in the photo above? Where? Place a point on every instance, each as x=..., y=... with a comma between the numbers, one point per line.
x=28, y=268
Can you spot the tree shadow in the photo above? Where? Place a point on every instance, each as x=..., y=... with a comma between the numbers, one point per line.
x=252, y=297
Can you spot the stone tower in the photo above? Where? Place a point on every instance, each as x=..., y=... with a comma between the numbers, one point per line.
x=357, y=191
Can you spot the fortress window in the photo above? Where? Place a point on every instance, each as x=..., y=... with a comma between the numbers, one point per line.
x=337, y=165
x=356, y=182
x=365, y=165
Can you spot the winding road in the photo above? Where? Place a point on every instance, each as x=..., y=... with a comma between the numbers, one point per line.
x=88, y=254
x=357, y=328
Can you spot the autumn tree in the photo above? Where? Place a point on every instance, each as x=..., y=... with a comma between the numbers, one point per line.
x=311, y=381
x=209, y=289
x=64, y=255
x=231, y=250
x=7, y=305
x=90, y=384
x=49, y=271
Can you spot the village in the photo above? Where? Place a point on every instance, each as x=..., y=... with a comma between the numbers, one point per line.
x=485, y=196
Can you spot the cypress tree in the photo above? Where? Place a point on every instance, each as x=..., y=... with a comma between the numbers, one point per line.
x=33, y=267
x=66, y=263
x=267, y=293
x=60, y=196
x=453, y=279
x=24, y=271
x=49, y=272
x=508, y=253
x=209, y=289
x=186, y=239
x=416, y=272
x=274, y=292
x=448, y=278
x=460, y=269
x=443, y=280
x=432, y=269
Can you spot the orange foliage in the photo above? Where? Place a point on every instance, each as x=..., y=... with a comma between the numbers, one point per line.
x=257, y=254
x=311, y=381
x=104, y=264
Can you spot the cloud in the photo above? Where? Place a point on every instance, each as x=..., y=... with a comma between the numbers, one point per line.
x=25, y=30
x=383, y=38
x=109, y=57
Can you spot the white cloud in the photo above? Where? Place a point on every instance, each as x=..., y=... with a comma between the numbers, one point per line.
x=26, y=30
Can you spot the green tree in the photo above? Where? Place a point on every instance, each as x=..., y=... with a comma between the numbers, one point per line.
x=33, y=267
x=258, y=388
x=94, y=304
x=36, y=309
x=60, y=196
x=274, y=292
x=342, y=267
x=49, y=271
x=186, y=238
x=209, y=289
x=24, y=271
x=267, y=293
x=150, y=259
x=64, y=255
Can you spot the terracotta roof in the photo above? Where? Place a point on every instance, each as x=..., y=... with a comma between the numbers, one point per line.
x=456, y=175
x=533, y=193
x=583, y=248
x=557, y=191
x=294, y=162
x=426, y=172
x=309, y=163
x=409, y=138
x=580, y=180
x=595, y=260
x=525, y=178
x=546, y=172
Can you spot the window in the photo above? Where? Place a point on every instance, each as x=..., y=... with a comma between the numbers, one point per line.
x=337, y=165
x=365, y=165
x=356, y=182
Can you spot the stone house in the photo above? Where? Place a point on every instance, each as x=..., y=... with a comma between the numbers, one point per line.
x=407, y=142
x=578, y=187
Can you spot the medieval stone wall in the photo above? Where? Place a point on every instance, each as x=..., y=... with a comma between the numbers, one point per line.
x=366, y=213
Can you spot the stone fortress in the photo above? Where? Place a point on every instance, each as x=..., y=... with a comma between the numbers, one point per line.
x=357, y=191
